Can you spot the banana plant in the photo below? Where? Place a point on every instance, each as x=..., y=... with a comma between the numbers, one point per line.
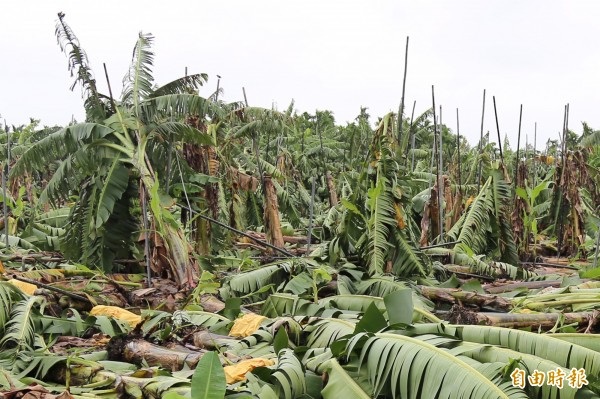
x=534, y=210
x=106, y=162
x=375, y=223
x=484, y=227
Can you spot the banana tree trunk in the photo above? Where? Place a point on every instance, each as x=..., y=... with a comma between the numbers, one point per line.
x=545, y=321
x=453, y=295
x=272, y=223
x=117, y=385
x=425, y=223
x=202, y=160
x=530, y=285
x=208, y=341
x=457, y=208
x=449, y=202
x=137, y=351
x=177, y=250
x=202, y=228
x=520, y=231
x=333, y=198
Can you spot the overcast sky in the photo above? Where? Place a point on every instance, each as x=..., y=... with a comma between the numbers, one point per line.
x=325, y=54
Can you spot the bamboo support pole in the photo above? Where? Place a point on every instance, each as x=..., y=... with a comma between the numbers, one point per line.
x=534, y=154
x=5, y=173
x=551, y=265
x=465, y=271
x=245, y=98
x=52, y=288
x=597, y=248
x=146, y=236
x=440, y=181
x=261, y=242
x=112, y=99
x=527, y=153
x=458, y=152
x=286, y=239
x=435, y=149
x=4, y=206
x=433, y=158
x=498, y=130
x=480, y=145
x=518, y=146
x=412, y=138
x=562, y=179
x=401, y=111
x=218, y=87
x=311, y=210
x=321, y=151
x=443, y=244
x=433, y=152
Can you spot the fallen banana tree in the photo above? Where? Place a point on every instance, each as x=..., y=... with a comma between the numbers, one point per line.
x=436, y=345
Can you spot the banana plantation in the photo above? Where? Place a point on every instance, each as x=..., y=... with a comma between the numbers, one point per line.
x=176, y=245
